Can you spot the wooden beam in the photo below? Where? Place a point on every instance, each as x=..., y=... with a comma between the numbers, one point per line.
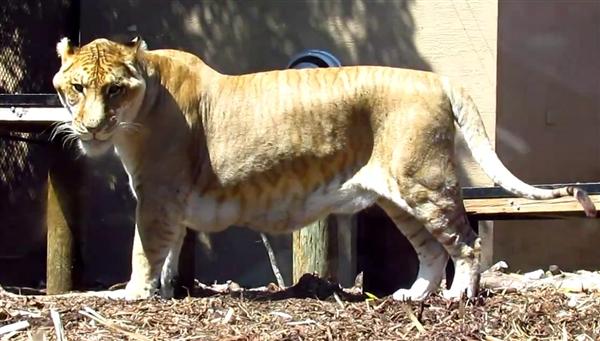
x=33, y=114
x=520, y=208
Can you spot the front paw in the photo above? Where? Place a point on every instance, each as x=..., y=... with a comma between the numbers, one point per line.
x=414, y=295
x=167, y=291
x=139, y=291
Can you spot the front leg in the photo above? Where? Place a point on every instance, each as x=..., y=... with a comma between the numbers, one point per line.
x=154, y=237
x=170, y=269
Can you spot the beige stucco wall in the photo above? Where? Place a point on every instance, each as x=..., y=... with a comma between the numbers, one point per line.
x=549, y=122
x=456, y=38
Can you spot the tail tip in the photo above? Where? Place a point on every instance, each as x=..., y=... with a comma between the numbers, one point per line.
x=584, y=200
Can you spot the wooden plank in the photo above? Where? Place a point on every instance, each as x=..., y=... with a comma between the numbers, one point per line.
x=507, y=208
x=33, y=114
x=499, y=192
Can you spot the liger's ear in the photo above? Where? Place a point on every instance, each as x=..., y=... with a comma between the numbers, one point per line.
x=65, y=49
x=138, y=44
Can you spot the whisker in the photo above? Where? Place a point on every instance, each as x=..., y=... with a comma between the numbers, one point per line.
x=131, y=126
x=69, y=140
x=54, y=133
x=54, y=125
x=65, y=141
x=60, y=127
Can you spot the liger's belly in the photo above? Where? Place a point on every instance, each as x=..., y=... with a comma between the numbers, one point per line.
x=276, y=206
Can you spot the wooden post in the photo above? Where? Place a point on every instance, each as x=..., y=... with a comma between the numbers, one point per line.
x=347, y=266
x=59, y=247
x=313, y=248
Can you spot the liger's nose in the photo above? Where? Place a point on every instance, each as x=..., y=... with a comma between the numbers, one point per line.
x=94, y=126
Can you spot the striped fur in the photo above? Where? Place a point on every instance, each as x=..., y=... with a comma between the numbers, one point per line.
x=277, y=150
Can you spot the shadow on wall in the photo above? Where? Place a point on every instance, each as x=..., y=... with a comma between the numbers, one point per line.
x=28, y=33
x=238, y=37
x=248, y=36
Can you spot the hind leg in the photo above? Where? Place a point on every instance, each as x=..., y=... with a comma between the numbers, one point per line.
x=431, y=254
x=432, y=197
x=444, y=216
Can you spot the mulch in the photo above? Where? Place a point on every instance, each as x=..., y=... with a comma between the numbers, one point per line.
x=541, y=313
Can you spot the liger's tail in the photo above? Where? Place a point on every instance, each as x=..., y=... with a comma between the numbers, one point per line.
x=469, y=120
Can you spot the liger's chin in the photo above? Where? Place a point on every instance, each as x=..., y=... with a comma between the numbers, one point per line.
x=95, y=148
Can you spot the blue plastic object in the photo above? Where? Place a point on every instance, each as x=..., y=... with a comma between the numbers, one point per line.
x=313, y=59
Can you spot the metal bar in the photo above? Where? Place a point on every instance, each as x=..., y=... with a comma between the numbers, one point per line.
x=41, y=140
x=29, y=100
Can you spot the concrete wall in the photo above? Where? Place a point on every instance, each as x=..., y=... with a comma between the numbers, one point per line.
x=457, y=38
x=548, y=122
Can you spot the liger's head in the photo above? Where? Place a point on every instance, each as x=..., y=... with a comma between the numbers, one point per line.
x=102, y=86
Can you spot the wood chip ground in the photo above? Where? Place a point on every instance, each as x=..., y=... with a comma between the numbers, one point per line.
x=537, y=314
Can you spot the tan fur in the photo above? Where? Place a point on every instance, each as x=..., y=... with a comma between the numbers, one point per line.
x=277, y=150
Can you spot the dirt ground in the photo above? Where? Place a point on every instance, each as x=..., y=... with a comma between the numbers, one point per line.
x=296, y=313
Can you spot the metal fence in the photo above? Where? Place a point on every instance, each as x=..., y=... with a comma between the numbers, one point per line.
x=29, y=31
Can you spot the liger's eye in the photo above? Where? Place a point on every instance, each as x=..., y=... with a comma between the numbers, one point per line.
x=77, y=87
x=114, y=90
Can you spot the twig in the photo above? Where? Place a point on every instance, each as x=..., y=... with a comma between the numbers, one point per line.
x=303, y=322
x=58, y=327
x=37, y=335
x=227, y=316
x=14, y=327
x=92, y=314
x=284, y=316
x=273, y=260
x=413, y=318
x=241, y=306
x=492, y=338
x=26, y=313
x=338, y=300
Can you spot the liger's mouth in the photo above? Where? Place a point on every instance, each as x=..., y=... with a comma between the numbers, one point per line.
x=99, y=136
x=95, y=142
x=95, y=146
